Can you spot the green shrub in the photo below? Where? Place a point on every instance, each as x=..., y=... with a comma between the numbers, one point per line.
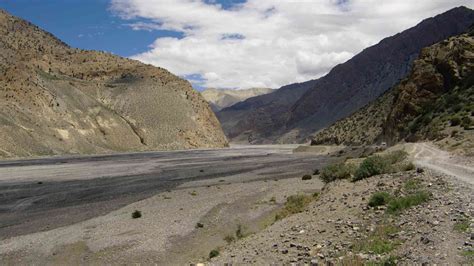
x=455, y=121
x=373, y=165
x=336, y=171
x=408, y=167
x=378, y=242
x=396, y=156
x=307, y=177
x=466, y=122
x=396, y=205
x=214, y=253
x=136, y=214
x=294, y=204
x=379, y=199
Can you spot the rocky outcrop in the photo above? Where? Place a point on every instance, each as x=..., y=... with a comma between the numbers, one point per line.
x=347, y=88
x=59, y=100
x=433, y=103
x=222, y=98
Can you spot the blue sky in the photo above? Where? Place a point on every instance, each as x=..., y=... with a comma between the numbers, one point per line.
x=230, y=43
x=86, y=24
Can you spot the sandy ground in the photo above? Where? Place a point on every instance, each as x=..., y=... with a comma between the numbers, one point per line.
x=166, y=233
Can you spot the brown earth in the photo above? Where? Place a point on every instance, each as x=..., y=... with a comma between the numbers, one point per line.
x=55, y=99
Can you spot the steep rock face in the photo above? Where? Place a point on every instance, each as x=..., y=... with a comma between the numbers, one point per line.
x=222, y=98
x=58, y=100
x=348, y=87
x=439, y=89
x=434, y=102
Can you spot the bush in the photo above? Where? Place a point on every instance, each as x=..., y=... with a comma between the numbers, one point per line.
x=373, y=165
x=379, y=199
x=336, y=171
x=466, y=122
x=396, y=156
x=397, y=205
x=455, y=121
x=409, y=166
x=136, y=214
x=316, y=172
x=294, y=204
x=307, y=177
x=229, y=239
x=214, y=253
x=199, y=225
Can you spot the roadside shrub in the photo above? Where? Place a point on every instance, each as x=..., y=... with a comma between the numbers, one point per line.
x=316, y=172
x=409, y=166
x=214, y=253
x=396, y=156
x=466, y=122
x=396, y=205
x=379, y=199
x=336, y=171
x=455, y=121
x=136, y=214
x=373, y=165
x=307, y=177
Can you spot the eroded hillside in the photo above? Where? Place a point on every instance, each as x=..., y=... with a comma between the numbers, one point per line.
x=433, y=103
x=59, y=100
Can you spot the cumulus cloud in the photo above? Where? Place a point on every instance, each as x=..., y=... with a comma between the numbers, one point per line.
x=268, y=43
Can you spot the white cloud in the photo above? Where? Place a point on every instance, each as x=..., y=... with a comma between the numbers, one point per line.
x=265, y=43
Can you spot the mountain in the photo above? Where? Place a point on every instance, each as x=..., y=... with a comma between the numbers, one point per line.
x=345, y=89
x=59, y=100
x=258, y=119
x=434, y=102
x=222, y=98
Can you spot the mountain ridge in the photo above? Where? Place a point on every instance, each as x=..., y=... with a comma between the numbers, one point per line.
x=61, y=100
x=346, y=88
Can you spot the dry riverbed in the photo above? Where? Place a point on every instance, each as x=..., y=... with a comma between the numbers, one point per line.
x=168, y=231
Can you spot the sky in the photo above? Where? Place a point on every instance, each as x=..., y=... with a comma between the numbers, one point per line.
x=230, y=43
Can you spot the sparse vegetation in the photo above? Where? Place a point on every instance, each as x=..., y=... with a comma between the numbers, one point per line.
x=373, y=165
x=199, y=225
x=136, y=214
x=398, y=204
x=382, y=164
x=214, y=253
x=379, y=199
x=307, y=177
x=379, y=242
x=294, y=204
x=462, y=224
x=336, y=171
x=316, y=172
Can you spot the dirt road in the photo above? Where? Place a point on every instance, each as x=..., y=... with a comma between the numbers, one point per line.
x=427, y=155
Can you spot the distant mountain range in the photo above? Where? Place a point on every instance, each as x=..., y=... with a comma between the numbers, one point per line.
x=295, y=112
x=222, y=98
x=59, y=100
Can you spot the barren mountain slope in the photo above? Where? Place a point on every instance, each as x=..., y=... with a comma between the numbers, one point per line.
x=58, y=100
x=347, y=88
x=222, y=98
x=433, y=103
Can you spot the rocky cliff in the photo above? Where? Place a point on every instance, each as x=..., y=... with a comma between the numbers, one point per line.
x=435, y=102
x=59, y=100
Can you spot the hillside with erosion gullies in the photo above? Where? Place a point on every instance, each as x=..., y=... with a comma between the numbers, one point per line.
x=222, y=98
x=435, y=102
x=344, y=90
x=59, y=100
